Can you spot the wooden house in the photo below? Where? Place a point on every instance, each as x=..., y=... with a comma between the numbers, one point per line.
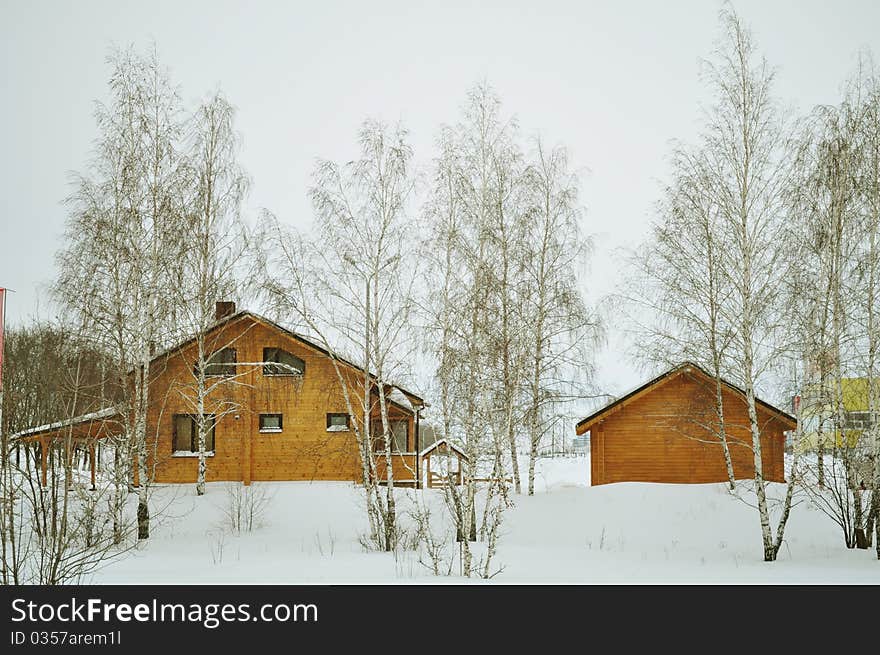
x=666, y=430
x=276, y=410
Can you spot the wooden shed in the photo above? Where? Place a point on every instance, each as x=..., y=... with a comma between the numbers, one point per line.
x=666, y=430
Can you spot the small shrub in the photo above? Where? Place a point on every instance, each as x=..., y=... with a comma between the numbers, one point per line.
x=246, y=506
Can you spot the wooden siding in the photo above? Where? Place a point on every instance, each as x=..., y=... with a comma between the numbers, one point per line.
x=666, y=435
x=303, y=450
x=403, y=467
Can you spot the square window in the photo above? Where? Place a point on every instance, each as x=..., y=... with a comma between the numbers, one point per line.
x=271, y=423
x=337, y=422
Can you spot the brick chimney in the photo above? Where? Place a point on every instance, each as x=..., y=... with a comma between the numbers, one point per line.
x=223, y=309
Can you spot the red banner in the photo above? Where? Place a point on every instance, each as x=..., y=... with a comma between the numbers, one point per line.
x=2, y=336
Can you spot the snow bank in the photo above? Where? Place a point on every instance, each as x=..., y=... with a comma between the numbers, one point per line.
x=567, y=533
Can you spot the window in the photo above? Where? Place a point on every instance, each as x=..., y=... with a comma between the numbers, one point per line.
x=337, y=422
x=399, y=436
x=271, y=423
x=283, y=363
x=860, y=420
x=185, y=437
x=221, y=362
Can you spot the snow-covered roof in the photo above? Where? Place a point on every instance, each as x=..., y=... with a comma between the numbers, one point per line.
x=437, y=443
x=107, y=412
x=399, y=398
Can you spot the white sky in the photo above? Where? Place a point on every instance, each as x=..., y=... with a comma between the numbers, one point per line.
x=615, y=81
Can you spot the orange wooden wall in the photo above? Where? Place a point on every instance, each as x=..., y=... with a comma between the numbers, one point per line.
x=662, y=437
x=303, y=450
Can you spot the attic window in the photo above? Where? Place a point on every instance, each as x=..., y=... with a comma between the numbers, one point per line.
x=221, y=362
x=280, y=362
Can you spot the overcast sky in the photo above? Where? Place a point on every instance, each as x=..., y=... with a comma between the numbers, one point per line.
x=614, y=81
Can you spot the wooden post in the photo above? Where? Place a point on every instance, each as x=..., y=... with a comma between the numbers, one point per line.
x=92, y=463
x=245, y=425
x=44, y=454
x=136, y=472
x=418, y=450
x=246, y=461
x=248, y=425
x=597, y=455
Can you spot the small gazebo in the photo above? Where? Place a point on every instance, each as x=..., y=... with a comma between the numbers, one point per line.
x=441, y=464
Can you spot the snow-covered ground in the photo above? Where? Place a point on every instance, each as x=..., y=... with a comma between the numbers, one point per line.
x=567, y=532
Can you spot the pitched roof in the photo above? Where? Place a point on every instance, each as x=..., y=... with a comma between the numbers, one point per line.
x=685, y=367
x=400, y=398
x=290, y=333
x=440, y=442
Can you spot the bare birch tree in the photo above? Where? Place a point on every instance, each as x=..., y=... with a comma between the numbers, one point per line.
x=867, y=297
x=826, y=210
x=476, y=216
x=351, y=285
x=123, y=237
x=494, y=192
x=747, y=159
x=212, y=260
x=560, y=333
x=457, y=336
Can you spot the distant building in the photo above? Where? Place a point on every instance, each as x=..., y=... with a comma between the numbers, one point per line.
x=833, y=416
